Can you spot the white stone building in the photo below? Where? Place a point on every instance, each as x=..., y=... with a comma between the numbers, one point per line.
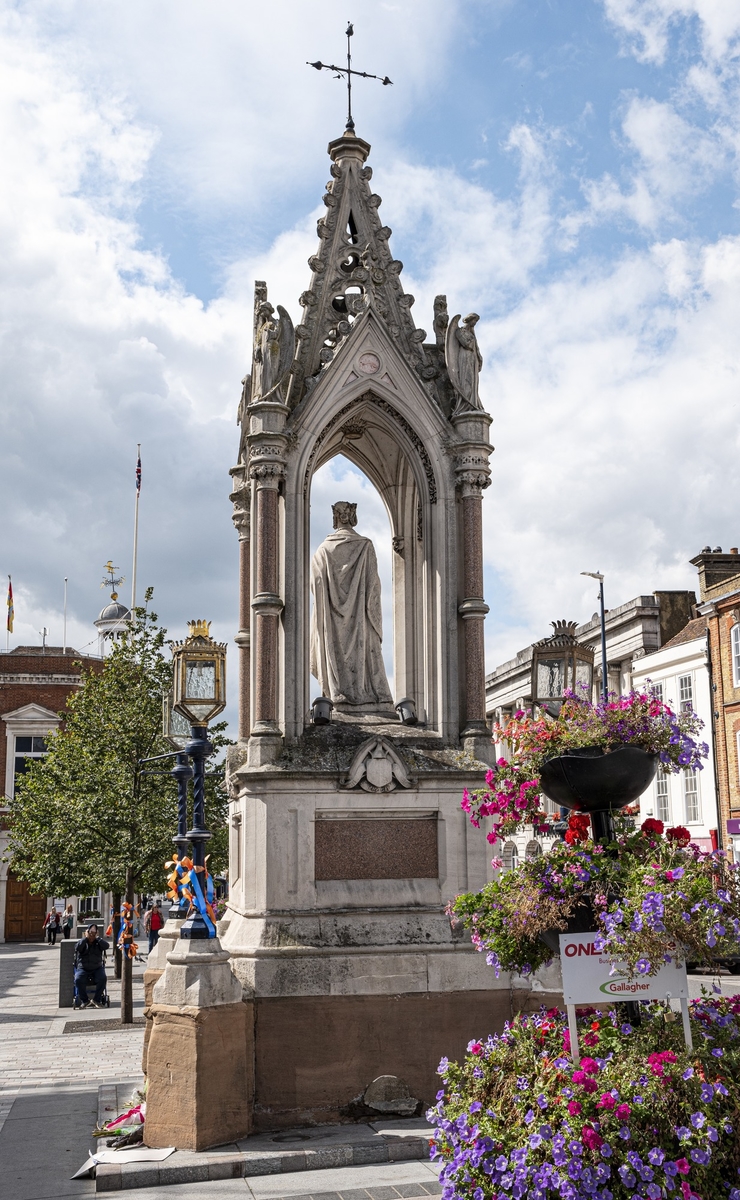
x=681, y=672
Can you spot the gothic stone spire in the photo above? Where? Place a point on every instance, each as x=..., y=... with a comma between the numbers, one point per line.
x=352, y=271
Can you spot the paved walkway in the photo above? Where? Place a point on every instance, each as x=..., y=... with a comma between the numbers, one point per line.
x=49, y=1079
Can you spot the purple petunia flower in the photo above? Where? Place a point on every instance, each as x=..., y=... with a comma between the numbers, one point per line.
x=626, y=1029
x=688, y=1073
x=718, y=1052
x=697, y=1119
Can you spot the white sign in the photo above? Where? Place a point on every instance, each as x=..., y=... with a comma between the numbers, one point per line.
x=590, y=977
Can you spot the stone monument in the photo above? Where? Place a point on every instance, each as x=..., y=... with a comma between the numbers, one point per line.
x=347, y=839
x=347, y=622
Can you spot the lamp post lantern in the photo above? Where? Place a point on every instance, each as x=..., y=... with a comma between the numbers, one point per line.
x=559, y=664
x=199, y=694
x=604, y=668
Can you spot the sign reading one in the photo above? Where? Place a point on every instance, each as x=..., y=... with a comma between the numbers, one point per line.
x=591, y=978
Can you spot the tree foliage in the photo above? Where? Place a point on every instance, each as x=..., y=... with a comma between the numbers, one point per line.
x=89, y=815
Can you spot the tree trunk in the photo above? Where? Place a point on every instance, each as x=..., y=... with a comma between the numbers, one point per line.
x=116, y=932
x=127, y=983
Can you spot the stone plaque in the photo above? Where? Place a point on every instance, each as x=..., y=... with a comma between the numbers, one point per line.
x=376, y=848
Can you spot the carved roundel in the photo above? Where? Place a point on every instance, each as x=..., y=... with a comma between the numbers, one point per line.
x=368, y=363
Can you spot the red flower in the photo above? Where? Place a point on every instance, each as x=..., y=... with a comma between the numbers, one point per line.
x=591, y=1138
x=683, y=1166
x=476, y=1048
x=590, y=1066
x=574, y=1108
x=623, y=1112
x=679, y=835
x=652, y=826
x=590, y=1039
x=590, y=1086
x=606, y=1101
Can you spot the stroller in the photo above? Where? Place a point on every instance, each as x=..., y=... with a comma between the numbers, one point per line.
x=77, y=1002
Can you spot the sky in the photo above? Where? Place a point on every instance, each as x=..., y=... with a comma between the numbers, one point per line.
x=566, y=168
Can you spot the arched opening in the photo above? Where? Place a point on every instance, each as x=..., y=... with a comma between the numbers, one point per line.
x=339, y=479
x=510, y=856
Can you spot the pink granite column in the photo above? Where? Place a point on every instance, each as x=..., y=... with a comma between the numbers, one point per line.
x=266, y=604
x=473, y=608
x=241, y=499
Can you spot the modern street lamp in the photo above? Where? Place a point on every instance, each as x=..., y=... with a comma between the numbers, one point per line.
x=199, y=694
x=604, y=668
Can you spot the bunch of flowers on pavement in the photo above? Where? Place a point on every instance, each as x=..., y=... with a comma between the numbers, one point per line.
x=641, y=1116
x=650, y=893
x=511, y=794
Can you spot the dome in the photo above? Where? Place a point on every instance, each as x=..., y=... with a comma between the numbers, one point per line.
x=114, y=612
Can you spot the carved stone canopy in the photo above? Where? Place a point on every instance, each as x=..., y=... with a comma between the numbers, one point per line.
x=377, y=767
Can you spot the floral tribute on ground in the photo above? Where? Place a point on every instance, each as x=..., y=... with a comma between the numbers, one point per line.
x=641, y=1117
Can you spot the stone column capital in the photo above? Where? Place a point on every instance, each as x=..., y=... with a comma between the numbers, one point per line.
x=266, y=473
x=472, y=483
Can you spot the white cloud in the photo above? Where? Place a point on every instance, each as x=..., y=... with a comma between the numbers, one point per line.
x=647, y=24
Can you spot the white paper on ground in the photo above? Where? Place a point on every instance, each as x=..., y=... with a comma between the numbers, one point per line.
x=142, y=1154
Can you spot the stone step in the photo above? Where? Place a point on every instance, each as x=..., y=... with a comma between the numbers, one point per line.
x=308, y=1148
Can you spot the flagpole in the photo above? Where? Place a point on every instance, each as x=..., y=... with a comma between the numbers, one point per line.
x=136, y=526
x=64, y=639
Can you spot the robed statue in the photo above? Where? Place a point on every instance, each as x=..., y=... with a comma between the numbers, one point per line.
x=274, y=347
x=347, y=624
x=464, y=361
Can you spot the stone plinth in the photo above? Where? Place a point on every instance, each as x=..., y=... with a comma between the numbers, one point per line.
x=199, y=1060
x=155, y=965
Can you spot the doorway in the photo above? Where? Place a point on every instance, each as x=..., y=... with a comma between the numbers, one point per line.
x=24, y=912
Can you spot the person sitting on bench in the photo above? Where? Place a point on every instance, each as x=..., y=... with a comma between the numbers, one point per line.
x=88, y=962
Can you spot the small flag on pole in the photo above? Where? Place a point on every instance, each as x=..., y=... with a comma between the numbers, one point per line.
x=138, y=474
x=11, y=610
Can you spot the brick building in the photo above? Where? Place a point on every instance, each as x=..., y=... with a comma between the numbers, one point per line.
x=35, y=682
x=719, y=605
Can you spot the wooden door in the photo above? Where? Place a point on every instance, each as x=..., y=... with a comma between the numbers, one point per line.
x=24, y=912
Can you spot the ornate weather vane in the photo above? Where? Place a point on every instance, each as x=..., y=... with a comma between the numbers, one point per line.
x=111, y=580
x=349, y=72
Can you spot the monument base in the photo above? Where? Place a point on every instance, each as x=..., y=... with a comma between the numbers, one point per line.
x=199, y=1092
x=155, y=966
x=199, y=1061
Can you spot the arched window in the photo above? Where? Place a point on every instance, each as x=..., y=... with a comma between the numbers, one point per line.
x=532, y=851
x=735, y=643
x=511, y=856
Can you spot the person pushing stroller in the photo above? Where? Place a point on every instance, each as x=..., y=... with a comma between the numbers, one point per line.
x=88, y=964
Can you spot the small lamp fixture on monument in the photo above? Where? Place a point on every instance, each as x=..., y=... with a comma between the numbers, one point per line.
x=199, y=695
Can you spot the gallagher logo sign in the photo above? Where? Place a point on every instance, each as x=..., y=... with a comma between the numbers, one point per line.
x=590, y=976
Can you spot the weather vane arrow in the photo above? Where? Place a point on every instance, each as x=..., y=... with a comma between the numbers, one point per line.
x=349, y=72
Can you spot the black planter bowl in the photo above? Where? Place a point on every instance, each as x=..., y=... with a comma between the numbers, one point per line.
x=581, y=920
x=592, y=780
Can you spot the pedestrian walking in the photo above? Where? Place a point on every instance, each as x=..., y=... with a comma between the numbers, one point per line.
x=68, y=921
x=153, y=922
x=51, y=926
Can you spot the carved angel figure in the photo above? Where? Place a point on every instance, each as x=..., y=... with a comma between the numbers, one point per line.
x=242, y=419
x=274, y=347
x=464, y=360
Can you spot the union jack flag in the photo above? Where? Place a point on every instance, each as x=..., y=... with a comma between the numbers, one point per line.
x=11, y=609
x=138, y=474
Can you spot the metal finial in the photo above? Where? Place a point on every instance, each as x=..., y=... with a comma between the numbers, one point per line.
x=349, y=72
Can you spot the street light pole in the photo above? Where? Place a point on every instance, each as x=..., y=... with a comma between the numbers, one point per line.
x=198, y=750
x=604, y=668
x=182, y=773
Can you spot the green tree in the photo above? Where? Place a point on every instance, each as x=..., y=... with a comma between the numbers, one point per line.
x=91, y=814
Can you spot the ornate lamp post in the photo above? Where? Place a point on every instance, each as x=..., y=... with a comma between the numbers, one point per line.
x=199, y=694
x=560, y=664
